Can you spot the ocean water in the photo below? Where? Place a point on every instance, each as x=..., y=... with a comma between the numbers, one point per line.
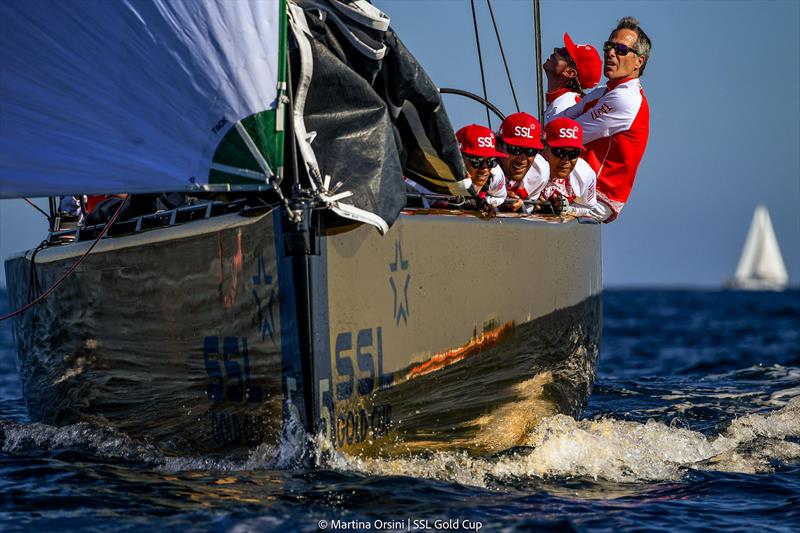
x=694, y=424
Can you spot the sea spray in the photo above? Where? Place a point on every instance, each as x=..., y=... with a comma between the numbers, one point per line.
x=607, y=449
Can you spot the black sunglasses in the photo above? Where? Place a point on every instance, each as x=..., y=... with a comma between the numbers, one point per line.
x=510, y=149
x=566, y=153
x=619, y=48
x=482, y=162
x=564, y=53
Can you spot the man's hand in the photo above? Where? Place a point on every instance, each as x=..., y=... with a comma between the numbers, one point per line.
x=486, y=209
x=512, y=203
x=558, y=202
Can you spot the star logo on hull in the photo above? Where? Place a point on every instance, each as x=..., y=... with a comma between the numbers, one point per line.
x=399, y=281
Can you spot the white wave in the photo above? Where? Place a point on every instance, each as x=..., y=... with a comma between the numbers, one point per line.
x=22, y=439
x=25, y=439
x=613, y=450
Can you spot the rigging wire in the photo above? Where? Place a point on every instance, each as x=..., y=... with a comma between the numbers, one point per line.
x=480, y=59
x=503, y=55
x=37, y=208
x=537, y=34
x=74, y=267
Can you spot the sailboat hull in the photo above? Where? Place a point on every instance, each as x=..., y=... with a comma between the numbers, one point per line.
x=755, y=284
x=450, y=332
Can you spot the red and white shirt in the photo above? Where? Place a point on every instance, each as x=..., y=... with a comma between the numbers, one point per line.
x=532, y=180
x=495, y=188
x=580, y=188
x=559, y=101
x=616, y=124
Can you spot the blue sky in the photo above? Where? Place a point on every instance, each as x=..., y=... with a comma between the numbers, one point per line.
x=723, y=84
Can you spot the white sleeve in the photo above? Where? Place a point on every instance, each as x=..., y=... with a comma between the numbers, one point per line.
x=614, y=112
x=577, y=109
x=572, y=112
x=559, y=105
x=584, y=182
x=537, y=177
x=497, y=193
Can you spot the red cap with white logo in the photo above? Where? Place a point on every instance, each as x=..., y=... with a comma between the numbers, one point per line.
x=521, y=129
x=564, y=132
x=477, y=141
x=587, y=61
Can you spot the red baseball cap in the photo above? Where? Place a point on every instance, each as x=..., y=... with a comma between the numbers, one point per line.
x=564, y=132
x=478, y=141
x=521, y=129
x=587, y=61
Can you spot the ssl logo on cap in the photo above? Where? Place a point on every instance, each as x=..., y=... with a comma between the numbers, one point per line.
x=522, y=131
x=486, y=142
x=568, y=133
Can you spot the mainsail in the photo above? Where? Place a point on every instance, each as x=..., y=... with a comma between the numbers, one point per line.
x=140, y=96
x=761, y=264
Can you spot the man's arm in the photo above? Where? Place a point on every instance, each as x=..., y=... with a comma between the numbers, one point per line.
x=614, y=112
x=496, y=195
x=586, y=190
x=580, y=107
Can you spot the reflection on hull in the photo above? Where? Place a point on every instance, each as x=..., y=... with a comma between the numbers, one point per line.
x=170, y=336
x=489, y=401
x=192, y=337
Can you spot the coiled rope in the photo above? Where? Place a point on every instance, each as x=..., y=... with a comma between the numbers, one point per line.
x=72, y=269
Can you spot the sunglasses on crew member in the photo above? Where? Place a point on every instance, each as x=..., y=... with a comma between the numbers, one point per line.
x=510, y=149
x=482, y=162
x=619, y=48
x=566, y=153
x=564, y=53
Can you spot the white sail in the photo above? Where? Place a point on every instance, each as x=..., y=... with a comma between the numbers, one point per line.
x=103, y=96
x=761, y=264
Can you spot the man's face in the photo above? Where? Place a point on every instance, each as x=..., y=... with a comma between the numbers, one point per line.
x=515, y=166
x=479, y=173
x=561, y=161
x=558, y=62
x=617, y=67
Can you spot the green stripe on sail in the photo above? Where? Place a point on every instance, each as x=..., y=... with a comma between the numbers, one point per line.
x=233, y=152
x=266, y=128
x=282, y=45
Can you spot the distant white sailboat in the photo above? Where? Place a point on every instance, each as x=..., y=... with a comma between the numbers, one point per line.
x=761, y=265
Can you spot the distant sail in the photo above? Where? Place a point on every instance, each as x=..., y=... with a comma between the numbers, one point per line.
x=761, y=266
x=139, y=95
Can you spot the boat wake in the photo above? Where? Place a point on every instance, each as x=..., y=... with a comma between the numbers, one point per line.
x=92, y=442
x=612, y=450
x=558, y=448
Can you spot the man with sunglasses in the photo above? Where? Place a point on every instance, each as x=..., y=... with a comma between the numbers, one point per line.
x=570, y=70
x=478, y=148
x=569, y=181
x=519, y=137
x=616, y=118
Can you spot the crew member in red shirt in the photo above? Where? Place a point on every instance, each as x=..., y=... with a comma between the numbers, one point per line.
x=616, y=118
